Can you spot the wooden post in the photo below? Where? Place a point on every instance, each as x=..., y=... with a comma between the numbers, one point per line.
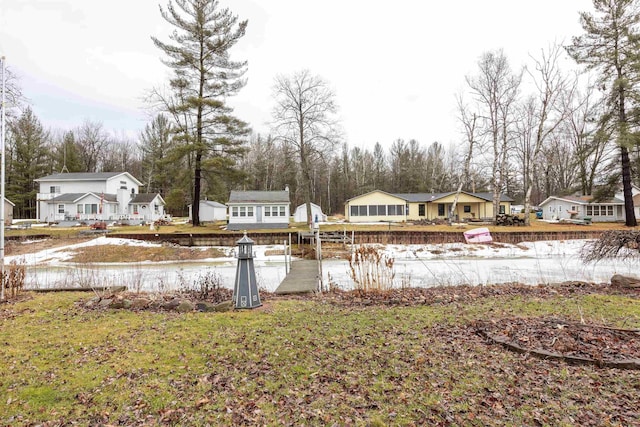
x=287, y=256
x=319, y=258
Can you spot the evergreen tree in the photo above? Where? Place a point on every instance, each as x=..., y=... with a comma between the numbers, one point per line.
x=155, y=143
x=29, y=160
x=610, y=46
x=66, y=156
x=204, y=76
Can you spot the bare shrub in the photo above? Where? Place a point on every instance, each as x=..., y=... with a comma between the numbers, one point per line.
x=207, y=287
x=371, y=269
x=13, y=278
x=612, y=244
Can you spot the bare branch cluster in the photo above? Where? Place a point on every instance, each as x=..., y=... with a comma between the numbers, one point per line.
x=612, y=244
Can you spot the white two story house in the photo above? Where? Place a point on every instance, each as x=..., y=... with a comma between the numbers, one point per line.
x=102, y=196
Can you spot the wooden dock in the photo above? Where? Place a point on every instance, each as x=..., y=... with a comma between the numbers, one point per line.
x=303, y=278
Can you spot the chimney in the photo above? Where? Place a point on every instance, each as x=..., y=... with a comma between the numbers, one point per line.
x=286, y=188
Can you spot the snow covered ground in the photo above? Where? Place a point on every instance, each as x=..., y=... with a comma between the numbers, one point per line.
x=416, y=265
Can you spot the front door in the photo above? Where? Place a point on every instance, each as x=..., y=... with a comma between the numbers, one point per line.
x=258, y=214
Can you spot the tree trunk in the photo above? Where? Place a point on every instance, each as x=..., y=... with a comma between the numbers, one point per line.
x=195, y=203
x=630, y=215
x=470, y=129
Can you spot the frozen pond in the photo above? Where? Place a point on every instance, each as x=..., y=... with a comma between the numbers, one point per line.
x=417, y=265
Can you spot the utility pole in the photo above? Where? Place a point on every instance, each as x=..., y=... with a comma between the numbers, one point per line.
x=2, y=148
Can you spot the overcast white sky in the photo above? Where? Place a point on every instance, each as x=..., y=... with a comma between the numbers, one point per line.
x=394, y=66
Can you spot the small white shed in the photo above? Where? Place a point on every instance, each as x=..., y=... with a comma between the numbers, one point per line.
x=300, y=215
x=210, y=211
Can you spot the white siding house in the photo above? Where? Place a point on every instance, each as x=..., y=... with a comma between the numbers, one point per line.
x=210, y=211
x=556, y=208
x=300, y=215
x=635, y=192
x=103, y=196
x=258, y=209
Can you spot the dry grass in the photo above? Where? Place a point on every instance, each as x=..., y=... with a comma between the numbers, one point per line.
x=216, y=228
x=125, y=253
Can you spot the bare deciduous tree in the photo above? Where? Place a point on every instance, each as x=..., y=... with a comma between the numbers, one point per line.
x=544, y=113
x=590, y=139
x=93, y=142
x=304, y=117
x=496, y=89
x=468, y=121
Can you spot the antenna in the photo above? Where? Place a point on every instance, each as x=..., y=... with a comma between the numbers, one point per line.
x=64, y=158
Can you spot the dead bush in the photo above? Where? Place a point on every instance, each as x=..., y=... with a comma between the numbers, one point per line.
x=13, y=278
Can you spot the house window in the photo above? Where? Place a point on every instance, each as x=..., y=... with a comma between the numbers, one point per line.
x=502, y=209
x=250, y=211
x=54, y=189
x=243, y=211
x=267, y=211
x=382, y=210
x=373, y=210
x=80, y=208
x=590, y=210
x=353, y=210
x=575, y=209
x=467, y=208
x=283, y=211
x=440, y=209
x=234, y=211
x=60, y=209
x=156, y=208
x=610, y=210
x=135, y=209
x=421, y=209
x=362, y=210
x=395, y=210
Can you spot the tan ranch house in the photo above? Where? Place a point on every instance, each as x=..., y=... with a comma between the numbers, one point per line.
x=380, y=206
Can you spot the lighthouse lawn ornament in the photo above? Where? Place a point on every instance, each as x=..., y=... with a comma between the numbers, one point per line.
x=245, y=290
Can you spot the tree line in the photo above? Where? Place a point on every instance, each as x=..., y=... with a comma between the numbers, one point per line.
x=529, y=132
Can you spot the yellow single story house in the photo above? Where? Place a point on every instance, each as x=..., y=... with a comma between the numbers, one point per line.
x=380, y=206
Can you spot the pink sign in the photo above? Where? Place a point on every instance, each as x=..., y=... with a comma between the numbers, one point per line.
x=478, y=235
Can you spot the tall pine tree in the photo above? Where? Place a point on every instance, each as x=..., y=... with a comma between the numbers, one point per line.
x=610, y=46
x=29, y=161
x=204, y=76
